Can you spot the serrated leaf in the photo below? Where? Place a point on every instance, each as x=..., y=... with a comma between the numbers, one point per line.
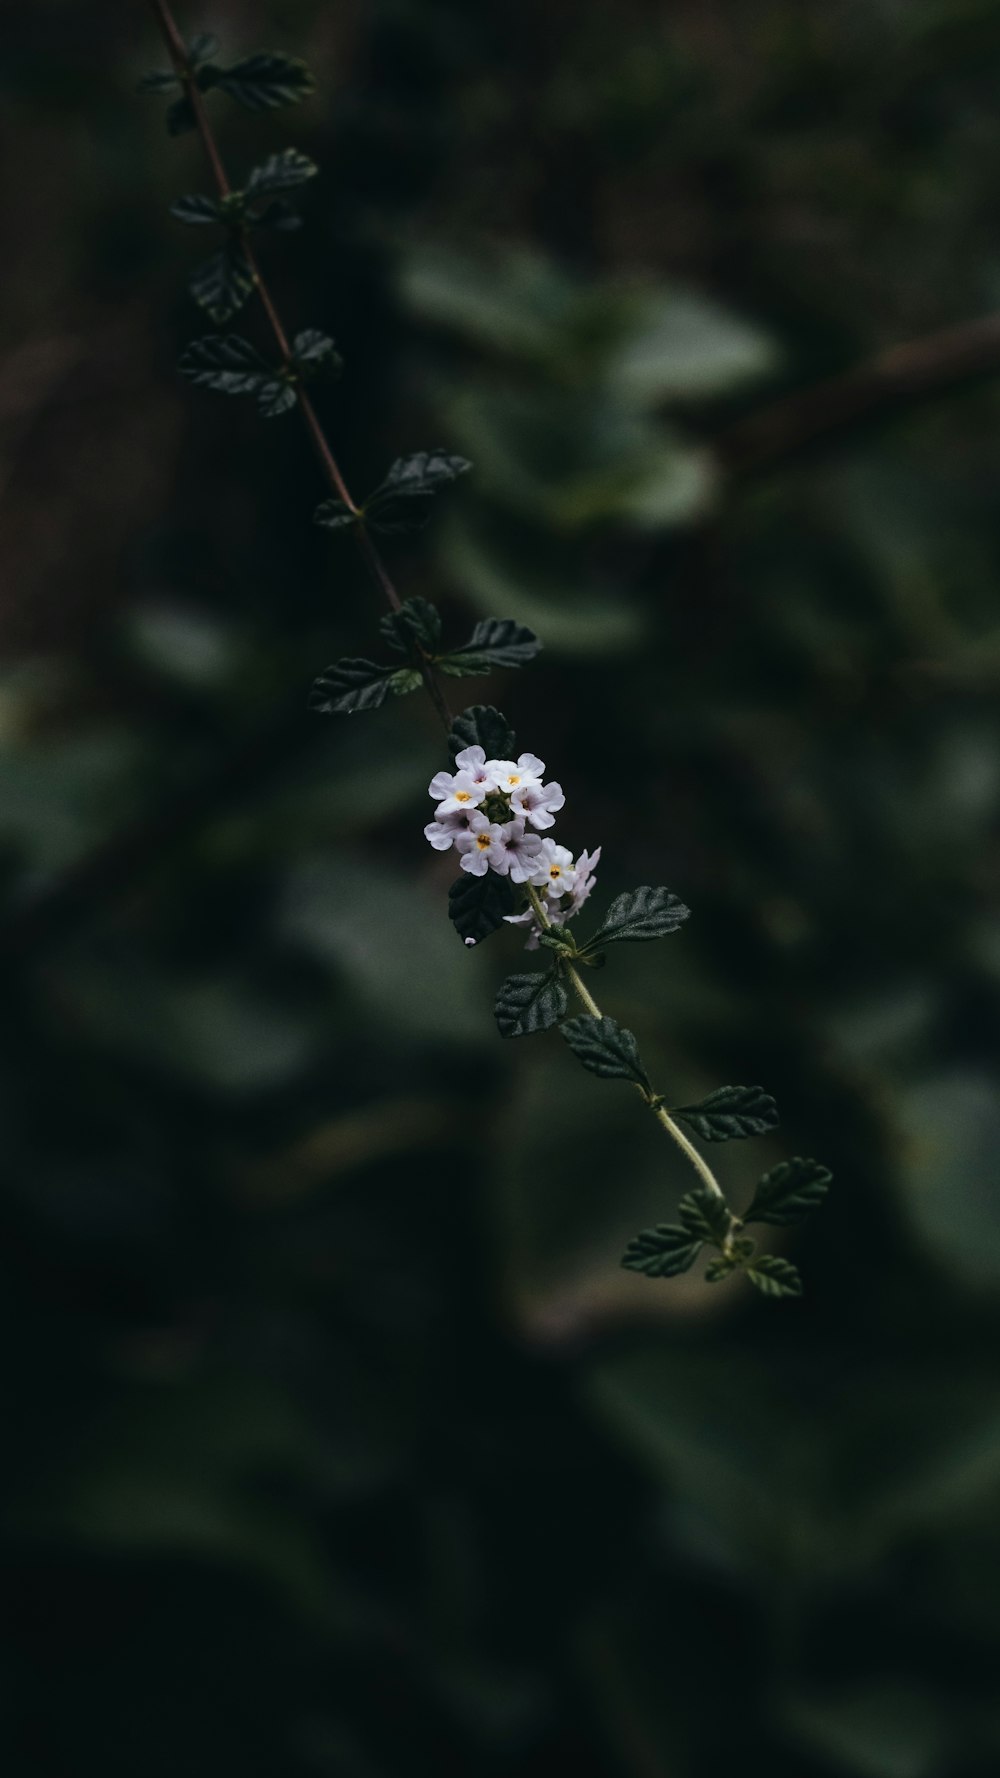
x=180, y=117
x=276, y=396
x=720, y=1268
x=774, y=1276
x=349, y=685
x=606, y=1048
x=662, y=1252
x=528, y=1003
x=789, y=1192
x=314, y=352
x=416, y=623
x=421, y=475
x=226, y=363
x=284, y=171
x=221, y=284
x=730, y=1112
x=482, y=726
x=201, y=47
x=495, y=642
x=197, y=207
x=157, y=80
x=334, y=515
x=704, y=1215
x=477, y=905
x=639, y=914
x=277, y=215
x=262, y=82
x=403, y=680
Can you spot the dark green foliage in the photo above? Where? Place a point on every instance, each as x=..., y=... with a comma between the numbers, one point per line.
x=606, y=1048
x=730, y=1112
x=350, y=685
x=180, y=117
x=495, y=642
x=417, y=623
x=789, y=1192
x=261, y=82
x=284, y=171
x=197, y=207
x=661, y=1252
x=774, y=1276
x=231, y=366
x=399, y=502
x=477, y=905
x=333, y=515
x=528, y=1003
x=704, y=1215
x=314, y=354
x=201, y=48
x=640, y=914
x=482, y=726
x=157, y=80
x=222, y=283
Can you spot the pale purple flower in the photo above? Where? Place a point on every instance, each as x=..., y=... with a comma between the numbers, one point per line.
x=585, y=870
x=554, y=869
x=521, y=849
x=482, y=848
x=455, y=791
x=538, y=803
x=529, y=919
x=510, y=775
x=443, y=834
x=480, y=769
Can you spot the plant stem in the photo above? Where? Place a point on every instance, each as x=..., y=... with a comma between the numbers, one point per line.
x=662, y=1116
x=177, y=50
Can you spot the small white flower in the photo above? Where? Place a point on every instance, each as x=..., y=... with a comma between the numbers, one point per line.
x=538, y=803
x=455, y=791
x=521, y=849
x=510, y=775
x=585, y=870
x=443, y=834
x=482, y=848
x=527, y=919
x=554, y=869
x=480, y=769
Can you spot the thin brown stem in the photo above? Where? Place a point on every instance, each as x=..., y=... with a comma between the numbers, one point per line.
x=177, y=51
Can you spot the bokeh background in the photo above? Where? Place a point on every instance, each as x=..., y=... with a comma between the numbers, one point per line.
x=336, y=1441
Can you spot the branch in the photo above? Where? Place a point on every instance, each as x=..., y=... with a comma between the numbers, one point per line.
x=891, y=381
x=177, y=50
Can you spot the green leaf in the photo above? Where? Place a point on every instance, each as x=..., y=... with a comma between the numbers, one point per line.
x=528, y=1003
x=226, y=363
x=495, y=642
x=180, y=117
x=789, y=1191
x=197, y=207
x=314, y=352
x=222, y=284
x=477, y=905
x=157, y=80
x=403, y=680
x=606, y=1048
x=417, y=623
x=261, y=82
x=275, y=397
x=412, y=479
x=704, y=1215
x=277, y=215
x=720, y=1268
x=202, y=47
x=482, y=726
x=284, y=171
x=334, y=515
x=639, y=914
x=730, y=1112
x=774, y=1276
x=662, y=1252
x=350, y=685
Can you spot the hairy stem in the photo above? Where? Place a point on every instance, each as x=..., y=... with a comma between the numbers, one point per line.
x=662, y=1116
x=177, y=50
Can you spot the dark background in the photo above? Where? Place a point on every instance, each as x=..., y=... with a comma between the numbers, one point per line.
x=336, y=1441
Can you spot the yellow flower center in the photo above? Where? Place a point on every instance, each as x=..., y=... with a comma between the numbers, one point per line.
x=555, y=870
x=513, y=778
x=462, y=796
x=483, y=841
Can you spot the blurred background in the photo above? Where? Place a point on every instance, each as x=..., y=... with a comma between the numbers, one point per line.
x=336, y=1440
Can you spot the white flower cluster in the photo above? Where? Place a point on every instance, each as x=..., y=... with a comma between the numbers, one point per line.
x=491, y=811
